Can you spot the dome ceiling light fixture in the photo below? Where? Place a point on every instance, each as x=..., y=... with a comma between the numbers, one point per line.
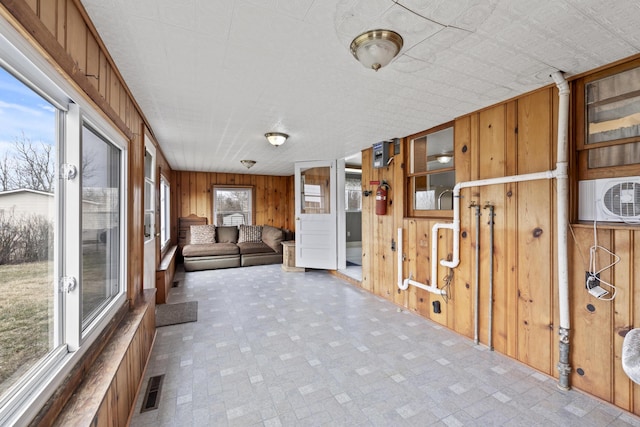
x=276, y=138
x=444, y=158
x=376, y=48
x=248, y=163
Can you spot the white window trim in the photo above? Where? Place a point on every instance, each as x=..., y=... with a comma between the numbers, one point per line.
x=24, y=400
x=165, y=206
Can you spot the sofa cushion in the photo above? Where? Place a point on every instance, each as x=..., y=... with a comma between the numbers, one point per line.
x=273, y=237
x=250, y=233
x=254, y=248
x=227, y=234
x=202, y=234
x=211, y=249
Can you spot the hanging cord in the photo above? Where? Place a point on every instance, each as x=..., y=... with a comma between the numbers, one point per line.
x=593, y=264
x=447, y=285
x=585, y=266
x=591, y=268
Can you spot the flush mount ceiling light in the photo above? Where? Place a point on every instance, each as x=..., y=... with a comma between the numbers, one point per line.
x=376, y=48
x=248, y=163
x=276, y=138
x=444, y=158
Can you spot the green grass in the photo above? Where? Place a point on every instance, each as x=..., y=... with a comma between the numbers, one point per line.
x=25, y=307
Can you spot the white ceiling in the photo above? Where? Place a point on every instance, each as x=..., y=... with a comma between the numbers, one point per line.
x=213, y=76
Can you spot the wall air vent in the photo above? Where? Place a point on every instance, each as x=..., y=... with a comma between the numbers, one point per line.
x=611, y=200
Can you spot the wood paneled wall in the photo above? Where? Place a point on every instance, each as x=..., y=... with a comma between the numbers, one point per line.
x=515, y=137
x=598, y=326
x=62, y=32
x=192, y=193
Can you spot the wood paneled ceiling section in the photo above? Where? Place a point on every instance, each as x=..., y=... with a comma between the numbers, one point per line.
x=213, y=76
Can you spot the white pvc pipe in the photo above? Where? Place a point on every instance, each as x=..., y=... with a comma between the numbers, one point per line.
x=429, y=288
x=560, y=173
x=404, y=284
x=562, y=196
x=455, y=225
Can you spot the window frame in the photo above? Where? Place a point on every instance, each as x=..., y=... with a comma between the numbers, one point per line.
x=411, y=212
x=224, y=187
x=580, y=129
x=21, y=402
x=350, y=173
x=165, y=212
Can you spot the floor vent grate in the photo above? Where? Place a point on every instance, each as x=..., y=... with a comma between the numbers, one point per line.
x=152, y=395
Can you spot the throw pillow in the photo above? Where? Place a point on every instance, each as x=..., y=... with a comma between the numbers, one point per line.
x=250, y=233
x=203, y=234
x=227, y=234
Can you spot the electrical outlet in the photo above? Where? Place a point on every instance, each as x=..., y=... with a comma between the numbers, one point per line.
x=591, y=280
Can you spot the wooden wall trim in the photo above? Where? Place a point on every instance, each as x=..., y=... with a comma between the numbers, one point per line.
x=54, y=406
x=32, y=27
x=109, y=59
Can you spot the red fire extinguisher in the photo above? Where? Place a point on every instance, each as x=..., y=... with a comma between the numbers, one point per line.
x=381, y=199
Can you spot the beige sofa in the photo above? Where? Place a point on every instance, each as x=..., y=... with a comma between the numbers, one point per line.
x=211, y=247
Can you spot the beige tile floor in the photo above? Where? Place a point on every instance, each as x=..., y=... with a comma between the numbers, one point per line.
x=272, y=348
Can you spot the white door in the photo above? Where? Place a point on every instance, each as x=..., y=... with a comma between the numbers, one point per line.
x=316, y=219
x=149, y=214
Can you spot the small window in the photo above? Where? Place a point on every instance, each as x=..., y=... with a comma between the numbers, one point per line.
x=353, y=191
x=165, y=212
x=149, y=196
x=432, y=175
x=613, y=107
x=232, y=205
x=608, y=130
x=316, y=195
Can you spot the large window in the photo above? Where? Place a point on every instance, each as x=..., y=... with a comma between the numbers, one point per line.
x=28, y=301
x=432, y=174
x=101, y=188
x=62, y=233
x=232, y=205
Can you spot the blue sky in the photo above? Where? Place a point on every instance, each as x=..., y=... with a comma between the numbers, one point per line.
x=22, y=110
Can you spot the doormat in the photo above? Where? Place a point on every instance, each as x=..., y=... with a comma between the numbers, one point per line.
x=172, y=314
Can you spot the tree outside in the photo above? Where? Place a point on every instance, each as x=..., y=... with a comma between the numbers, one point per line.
x=28, y=135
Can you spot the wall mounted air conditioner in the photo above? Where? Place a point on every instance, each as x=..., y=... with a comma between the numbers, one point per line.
x=610, y=199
